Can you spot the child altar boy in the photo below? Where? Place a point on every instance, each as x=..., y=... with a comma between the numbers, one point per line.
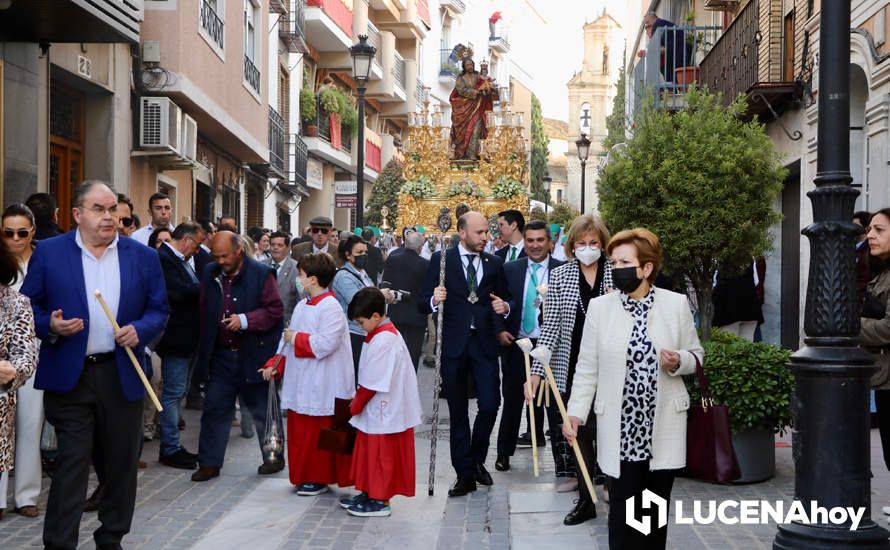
x=385, y=410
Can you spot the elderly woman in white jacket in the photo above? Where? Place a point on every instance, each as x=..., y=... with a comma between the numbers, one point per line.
x=637, y=344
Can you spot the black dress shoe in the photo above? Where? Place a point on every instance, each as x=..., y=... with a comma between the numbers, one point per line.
x=267, y=468
x=461, y=487
x=92, y=503
x=482, y=475
x=109, y=546
x=502, y=464
x=205, y=472
x=525, y=441
x=181, y=459
x=583, y=511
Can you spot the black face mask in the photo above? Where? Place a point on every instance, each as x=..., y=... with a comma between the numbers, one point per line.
x=625, y=279
x=361, y=261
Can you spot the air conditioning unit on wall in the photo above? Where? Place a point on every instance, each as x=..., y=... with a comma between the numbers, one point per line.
x=189, y=138
x=161, y=127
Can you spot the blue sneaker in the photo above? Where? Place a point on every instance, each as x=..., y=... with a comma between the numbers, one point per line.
x=311, y=489
x=369, y=508
x=346, y=501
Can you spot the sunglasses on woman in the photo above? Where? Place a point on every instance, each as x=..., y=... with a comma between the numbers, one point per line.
x=12, y=233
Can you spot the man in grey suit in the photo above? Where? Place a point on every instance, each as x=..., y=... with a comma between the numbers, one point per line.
x=285, y=272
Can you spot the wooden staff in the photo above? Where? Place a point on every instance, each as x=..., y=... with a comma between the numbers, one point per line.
x=526, y=346
x=542, y=389
x=116, y=327
x=444, y=223
x=565, y=419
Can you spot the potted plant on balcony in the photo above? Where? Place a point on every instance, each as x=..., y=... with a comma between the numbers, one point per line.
x=690, y=72
x=308, y=113
x=348, y=116
x=753, y=381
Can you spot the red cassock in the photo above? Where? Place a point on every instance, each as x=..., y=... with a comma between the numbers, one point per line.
x=306, y=463
x=383, y=464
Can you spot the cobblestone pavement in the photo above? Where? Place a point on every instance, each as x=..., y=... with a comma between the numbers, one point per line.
x=249, y=512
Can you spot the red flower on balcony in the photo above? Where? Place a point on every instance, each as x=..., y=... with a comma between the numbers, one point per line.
x=495, y=17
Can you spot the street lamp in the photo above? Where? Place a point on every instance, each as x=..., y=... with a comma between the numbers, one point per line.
x=547, y=181
x=583, y=150
x=830, y=425
x=362, y=57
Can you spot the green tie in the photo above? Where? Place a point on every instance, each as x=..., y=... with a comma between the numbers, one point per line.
x=471, y=272
x=512, y=253
x=529, y=311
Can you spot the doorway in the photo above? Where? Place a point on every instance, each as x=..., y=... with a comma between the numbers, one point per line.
x=65, y=148
x=790, y=291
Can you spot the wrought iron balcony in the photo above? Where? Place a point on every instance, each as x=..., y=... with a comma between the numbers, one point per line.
x=374, y=36
x=454, y=6
x=669, y=64
x=398, y=71
x=291, y=28
x=298, y=163
x=277, y=142
x=448, y=65
x=748, y=59
x=278, y=6
x=211, y=23
x=251, y=74
x=499, y=44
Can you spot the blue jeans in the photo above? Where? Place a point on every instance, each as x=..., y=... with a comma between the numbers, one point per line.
x=174, y=370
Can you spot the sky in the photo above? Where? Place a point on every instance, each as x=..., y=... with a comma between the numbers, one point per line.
x=555, y=54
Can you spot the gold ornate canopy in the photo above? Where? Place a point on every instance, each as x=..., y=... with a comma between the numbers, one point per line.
x=496, y=182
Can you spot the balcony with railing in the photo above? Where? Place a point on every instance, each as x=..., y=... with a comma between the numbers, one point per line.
x=277, y=142
x=449, y=68
x=374, y=36
x=211, y=23
x=419, y=92
x=398, y=71
x=325, y=137
x=455, y=7
x=299, y=155
x=292, y=27
x=670, y=64
x=251, y=74
x=748, y=59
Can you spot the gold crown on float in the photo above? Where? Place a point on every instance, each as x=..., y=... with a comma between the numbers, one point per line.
x=464, y=52
x=483, y=65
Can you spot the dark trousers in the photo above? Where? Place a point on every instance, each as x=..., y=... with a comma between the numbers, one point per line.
x=882, y=406
x=95, y=407
x=413, y=336
x=469, y=449
x=636, y=477
x=225, y=385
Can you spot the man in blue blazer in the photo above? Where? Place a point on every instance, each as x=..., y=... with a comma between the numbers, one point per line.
x=474, y=314
x=90, y=385
x=524, y=279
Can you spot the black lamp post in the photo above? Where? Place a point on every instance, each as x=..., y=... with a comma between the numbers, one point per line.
x=547, y=181
x=830, y=404
x=362, y=57
x=583, y=150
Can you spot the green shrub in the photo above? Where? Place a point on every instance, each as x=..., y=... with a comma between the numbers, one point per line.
x=307, y=105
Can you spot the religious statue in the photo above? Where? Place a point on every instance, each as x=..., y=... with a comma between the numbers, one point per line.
x=605, y=59
x=473, y=96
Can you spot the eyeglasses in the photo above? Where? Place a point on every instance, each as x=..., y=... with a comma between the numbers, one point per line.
x=126, y=222
x=12, y=233
x=320, y=230
x=99, y=210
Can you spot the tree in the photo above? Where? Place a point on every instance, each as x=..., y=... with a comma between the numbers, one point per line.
x=704, y=181
x=537, y=213
x=385, y=193
x=540, y=152
x=563, y=214
x=616, y=121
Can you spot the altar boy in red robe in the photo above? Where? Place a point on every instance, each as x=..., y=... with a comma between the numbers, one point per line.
x=385, y=410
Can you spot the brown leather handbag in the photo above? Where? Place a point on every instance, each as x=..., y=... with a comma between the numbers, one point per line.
x=709, y=452
x=340, y=438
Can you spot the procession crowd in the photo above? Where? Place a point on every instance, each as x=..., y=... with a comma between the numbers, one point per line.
x=571, y=324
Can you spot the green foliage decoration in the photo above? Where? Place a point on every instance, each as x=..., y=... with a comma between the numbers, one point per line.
x=704, y=181
x=307, y=105
x=385, y=192
x=563, y=214
x=751, y=379
x=327, y=97
x=464, y=187
x=420, y=188
x=505, y=188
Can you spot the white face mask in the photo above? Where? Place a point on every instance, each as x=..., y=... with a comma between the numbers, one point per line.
x=587, y=254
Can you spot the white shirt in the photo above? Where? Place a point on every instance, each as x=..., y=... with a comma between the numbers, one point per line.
x=190, y=261
x=559, y=251
x=517, y=247
x=316, y=250
x=311, y=384
x=102, y=274
x=143, y=233
x=543, y=277
x=385, y=367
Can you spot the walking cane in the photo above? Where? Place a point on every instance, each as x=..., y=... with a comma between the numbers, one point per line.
x=444, y=223
x=526, y=346
x=543, y=355
x=116, y=327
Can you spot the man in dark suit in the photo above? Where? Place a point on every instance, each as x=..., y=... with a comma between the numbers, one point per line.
x=511, y=223
x=179, y=344
x=473, y=315
x=375, y=255
x=90, y=385
x=405, y=273
x=286, y=272
x=241, y=325
x=524, y=279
